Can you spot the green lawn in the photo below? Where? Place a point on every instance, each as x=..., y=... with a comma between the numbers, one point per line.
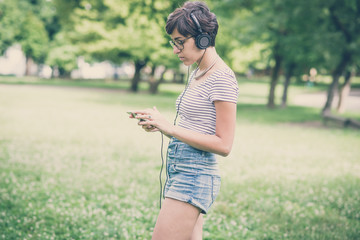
x=73, y=166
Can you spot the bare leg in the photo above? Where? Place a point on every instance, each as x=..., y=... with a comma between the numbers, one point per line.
x=176, y=220
x=198, y=229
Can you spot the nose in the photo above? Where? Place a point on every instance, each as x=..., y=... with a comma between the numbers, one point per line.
x=176, y=50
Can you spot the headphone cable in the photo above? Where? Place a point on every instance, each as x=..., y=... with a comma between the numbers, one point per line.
x=162, y=165
x=186, y=87
x=162, y=189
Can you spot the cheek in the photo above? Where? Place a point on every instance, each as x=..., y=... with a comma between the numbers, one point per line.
x=192, y=55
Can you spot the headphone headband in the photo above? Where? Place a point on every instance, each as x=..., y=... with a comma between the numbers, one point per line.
x=196, y=22
x=202, y=40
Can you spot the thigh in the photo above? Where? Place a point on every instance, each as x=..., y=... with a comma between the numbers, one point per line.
x=198, y=229
x=176, y=220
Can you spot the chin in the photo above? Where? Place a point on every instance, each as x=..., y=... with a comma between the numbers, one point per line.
x=188, y=63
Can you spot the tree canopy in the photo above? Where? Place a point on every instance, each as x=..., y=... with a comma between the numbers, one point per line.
x=285, y=36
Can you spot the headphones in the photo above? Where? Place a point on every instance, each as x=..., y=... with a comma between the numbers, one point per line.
x=202, y=40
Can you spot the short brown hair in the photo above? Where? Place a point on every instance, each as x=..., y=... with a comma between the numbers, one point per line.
x=180, y=19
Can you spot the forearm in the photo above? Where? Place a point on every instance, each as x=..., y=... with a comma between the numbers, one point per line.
x=220, y=143
x=205, y=142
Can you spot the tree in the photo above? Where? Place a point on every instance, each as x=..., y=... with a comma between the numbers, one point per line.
x=298, y=35
x=11, y=18
x=289, y=30
x=341, y=25
x=237, y=41
x=62, y=54
x=132, y=31
x=34, y=40
x=275, y=25
x=161, y=60
x=345, y=89
x=29, y=23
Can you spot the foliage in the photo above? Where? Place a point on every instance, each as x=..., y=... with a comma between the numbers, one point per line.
x=26, y=23
x=286, y=36
x=296, y=34
x=33, y=38
x=338, y=22
x=130, y=31
x=10, y=19
x=63, y=54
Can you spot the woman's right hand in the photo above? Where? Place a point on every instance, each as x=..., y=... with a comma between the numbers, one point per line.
x=154, y=121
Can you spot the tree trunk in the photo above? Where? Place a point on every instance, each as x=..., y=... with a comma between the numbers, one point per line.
x=152, y=80
x=61, y=73
x=154, y=87
x=288, y=74
x=174, y=77
x=274, y=79
x=333, y=86
x=345, y=90
x=139, y=64
x=29, y=63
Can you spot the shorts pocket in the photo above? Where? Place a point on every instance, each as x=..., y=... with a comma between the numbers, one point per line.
x=171, y=152
x=185, y=168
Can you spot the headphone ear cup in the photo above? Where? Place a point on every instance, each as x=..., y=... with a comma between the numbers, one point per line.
x=203, y=41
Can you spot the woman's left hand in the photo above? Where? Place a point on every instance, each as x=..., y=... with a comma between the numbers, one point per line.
x=154, y=121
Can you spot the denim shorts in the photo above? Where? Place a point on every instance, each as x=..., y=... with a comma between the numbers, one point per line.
x=192, y=175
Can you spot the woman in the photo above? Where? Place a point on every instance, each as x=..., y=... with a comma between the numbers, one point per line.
x=207, y=115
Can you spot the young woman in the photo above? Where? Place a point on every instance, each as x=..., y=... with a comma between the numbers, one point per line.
x=206, y=125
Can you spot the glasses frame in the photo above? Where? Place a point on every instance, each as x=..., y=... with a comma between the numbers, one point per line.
x=179, y=44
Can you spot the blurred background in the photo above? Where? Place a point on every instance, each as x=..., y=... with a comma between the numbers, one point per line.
x=307, y=42
x=74, y=166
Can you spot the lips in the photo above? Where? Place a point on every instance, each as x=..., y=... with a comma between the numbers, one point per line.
x=181, y=58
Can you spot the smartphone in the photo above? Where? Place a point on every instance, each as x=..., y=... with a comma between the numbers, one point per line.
x=134, y=115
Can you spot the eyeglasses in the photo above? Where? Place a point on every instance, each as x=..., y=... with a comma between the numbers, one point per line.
x=179, y=44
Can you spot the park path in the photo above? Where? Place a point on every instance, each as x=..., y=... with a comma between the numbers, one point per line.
x=318, y=100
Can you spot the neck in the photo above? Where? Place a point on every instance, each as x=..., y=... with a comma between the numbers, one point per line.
x=207, y=58
x=206, y=62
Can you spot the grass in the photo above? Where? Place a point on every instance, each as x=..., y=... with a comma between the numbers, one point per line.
x=73, y=166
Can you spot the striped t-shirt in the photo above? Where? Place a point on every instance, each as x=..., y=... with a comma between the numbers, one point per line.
x=197, y=109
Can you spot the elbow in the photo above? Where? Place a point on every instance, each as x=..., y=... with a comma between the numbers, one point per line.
x=225, y=151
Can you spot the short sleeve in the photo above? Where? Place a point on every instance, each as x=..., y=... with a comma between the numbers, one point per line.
x=224, y=88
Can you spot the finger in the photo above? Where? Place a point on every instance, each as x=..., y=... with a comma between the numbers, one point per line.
x=155, y=109
x=141, y=112
x=145, y=123
x=146, y=127
x=151, y=129
x=144, y=111
x=147, y=116
x=143, y=116
x=146, y=119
